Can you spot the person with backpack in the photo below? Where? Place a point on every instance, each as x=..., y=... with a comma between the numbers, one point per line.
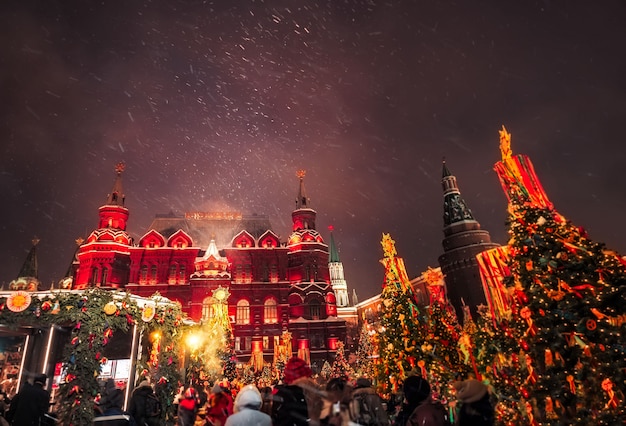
x=298, y=402
x=419, y=408
x=144, y=405
x=366, y=406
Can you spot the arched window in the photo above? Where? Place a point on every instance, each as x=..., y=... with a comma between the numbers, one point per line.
x=105, y=276
x=143, y=277
x=94, y=276
x=153, y=274
x=314, y=309
x=243, y=312
x=270, y=312
x=181, y=275
x=172, y=275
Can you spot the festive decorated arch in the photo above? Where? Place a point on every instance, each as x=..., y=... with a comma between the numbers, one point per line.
x=94, y=315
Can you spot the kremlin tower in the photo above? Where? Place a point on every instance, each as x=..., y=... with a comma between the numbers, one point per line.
x=337, y=279
x=463, y=240
x=28, y=277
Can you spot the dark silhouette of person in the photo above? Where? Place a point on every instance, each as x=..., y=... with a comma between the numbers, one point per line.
x=137, y=405
x=475, y=408
x=30, y=404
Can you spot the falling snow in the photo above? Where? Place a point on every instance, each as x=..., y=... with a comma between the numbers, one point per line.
x=215, y=105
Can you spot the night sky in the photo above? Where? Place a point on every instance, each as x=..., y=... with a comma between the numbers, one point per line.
x=214, y=106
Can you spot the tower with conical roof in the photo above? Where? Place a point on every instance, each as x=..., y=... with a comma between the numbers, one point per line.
x=28, y=277
x=312, y=301
x=104, y=258
x=337, y=280
x=463, y=240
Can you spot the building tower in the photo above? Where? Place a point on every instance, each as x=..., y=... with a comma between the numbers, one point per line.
x=104, y=258
x=463, y=240
x=311, y=298
x=337, y=280
x=28, y=277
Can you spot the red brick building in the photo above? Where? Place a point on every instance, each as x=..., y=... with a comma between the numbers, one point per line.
x=271, y=285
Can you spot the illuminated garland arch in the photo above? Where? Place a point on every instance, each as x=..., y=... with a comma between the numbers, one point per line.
x=93, y=316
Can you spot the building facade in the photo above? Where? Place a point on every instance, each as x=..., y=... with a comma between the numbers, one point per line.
x=205, y=260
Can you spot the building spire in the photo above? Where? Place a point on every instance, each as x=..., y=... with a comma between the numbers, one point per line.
x=301, y=200
x=303, y=216
x=454, y=207
x=116, y=197
x=30, y=267
x=337, y=279
x=28, y=278
x=334, y=253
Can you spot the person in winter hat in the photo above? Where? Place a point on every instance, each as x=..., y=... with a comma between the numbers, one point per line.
x=30, y=404
x=299, y=400
x=187, y=408
x=247, y=409
x=475, y=407
x=295, y=369
x=218, y=406
x=419, y=408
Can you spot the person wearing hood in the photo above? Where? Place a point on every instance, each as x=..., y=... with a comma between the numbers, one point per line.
x=366, y=406
x=476, y=409
x=138, y=402
x=419, y=407
x=298, y=402
x=247, y=409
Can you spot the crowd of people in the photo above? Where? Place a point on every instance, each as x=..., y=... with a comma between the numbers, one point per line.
x=297, y=401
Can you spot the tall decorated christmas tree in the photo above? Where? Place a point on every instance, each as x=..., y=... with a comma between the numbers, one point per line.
x=568, y=309
x=402, y=331
x=442, y=360
x=492, y=351
x=365, y=353
x=340, y=367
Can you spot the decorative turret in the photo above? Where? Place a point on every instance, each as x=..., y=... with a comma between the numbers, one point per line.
x=211, y=265
x=104, y=259
x=113, y=214
x=463, y=240
x=28, y=277
x=308, y=266
x=303, y=216
x=454, y=207
x=337, y=280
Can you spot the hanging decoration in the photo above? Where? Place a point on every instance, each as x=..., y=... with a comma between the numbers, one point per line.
x=149, y=311
x=18, y=301
x=110, y=308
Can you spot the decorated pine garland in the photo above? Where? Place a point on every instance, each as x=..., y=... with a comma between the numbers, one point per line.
x=94, y=316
